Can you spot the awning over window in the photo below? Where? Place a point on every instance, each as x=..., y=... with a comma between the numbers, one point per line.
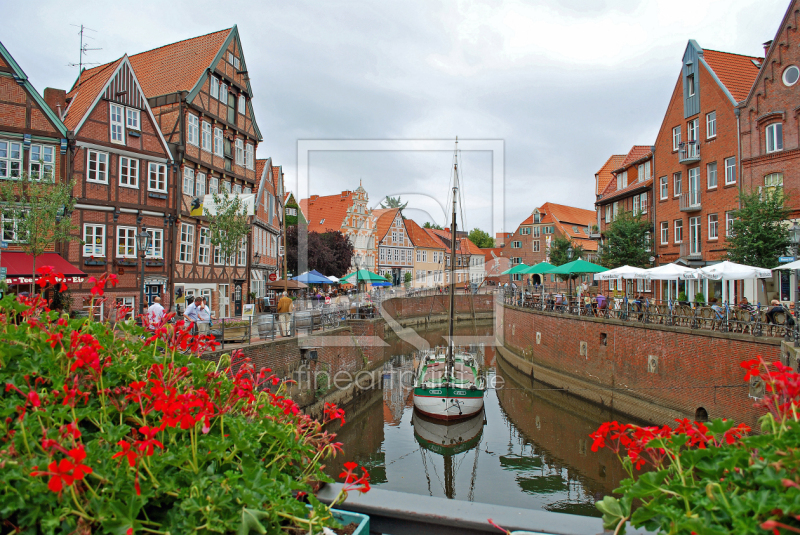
x=19, y=267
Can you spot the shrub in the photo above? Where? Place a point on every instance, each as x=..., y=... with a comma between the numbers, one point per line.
x=712, y=478
x=115, y=431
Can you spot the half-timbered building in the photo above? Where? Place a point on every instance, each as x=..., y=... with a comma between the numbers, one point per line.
x=201, y=96
x=120, y=165
x=395, y=249
x=267, y=220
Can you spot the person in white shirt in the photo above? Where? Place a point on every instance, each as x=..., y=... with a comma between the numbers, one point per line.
x=203, y=317
x=190, y=314
x=155, y=312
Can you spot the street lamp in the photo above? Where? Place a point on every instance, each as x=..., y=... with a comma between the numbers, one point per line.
x=794, y=237
x=143, y=243
x=569, y=278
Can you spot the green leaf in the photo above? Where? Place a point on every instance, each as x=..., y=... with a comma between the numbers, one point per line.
x=251, y=522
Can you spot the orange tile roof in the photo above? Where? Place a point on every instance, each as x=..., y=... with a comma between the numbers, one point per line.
x=85, y=90
x=490, y=253
x=434, y=234
x=467, y=247
x=259, y=171
x=636, y=154
x=604, y=175
x=177, y=66
x=613, y=193
x=735, y=71
x=419, y=237
x=569, y=214
x=385, y=219
x=528, y=221
x=326, y=213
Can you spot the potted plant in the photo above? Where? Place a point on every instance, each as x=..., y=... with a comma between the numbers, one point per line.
x=699, y=298
x=235, y=330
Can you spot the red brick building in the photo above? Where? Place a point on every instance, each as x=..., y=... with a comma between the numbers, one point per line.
x=265, y=238
x=768, y=116
x=201, y=96
x=630, y=189
x=696, y=158
x=33, y=143
x=123, y=185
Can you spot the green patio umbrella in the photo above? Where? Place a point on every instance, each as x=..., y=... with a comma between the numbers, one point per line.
x=516, y=269
x=363, y=275
x=576, y=266
x=538, y=269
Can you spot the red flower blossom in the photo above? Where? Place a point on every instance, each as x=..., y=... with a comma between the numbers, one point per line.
x=352, y=481
x=332, y=412
x=126, y=452
x=65, y=472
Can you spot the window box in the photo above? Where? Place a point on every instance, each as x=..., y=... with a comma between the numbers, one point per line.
x=157, y=196
x=128, y=262
x=153, y=263
x=134, y=133
x=94, y=262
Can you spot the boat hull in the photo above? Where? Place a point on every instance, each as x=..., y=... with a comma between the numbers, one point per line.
x=447, y=438
x=448, y=403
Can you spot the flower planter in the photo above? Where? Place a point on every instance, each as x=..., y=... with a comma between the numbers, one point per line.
x=346, y=518
x=154, y=263
x=235, y=334
x=128, y=263
x=94, y=262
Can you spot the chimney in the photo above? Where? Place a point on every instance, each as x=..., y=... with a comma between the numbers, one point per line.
x=766, y=47
x=56, y=99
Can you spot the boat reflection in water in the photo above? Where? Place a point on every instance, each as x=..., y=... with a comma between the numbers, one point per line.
x=448, y=440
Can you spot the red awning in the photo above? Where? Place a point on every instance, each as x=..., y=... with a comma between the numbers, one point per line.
x=19, y=267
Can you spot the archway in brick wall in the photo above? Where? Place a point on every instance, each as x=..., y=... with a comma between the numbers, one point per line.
x=700, y=415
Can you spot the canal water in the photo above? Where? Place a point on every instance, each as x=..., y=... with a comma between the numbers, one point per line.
x=530, y=448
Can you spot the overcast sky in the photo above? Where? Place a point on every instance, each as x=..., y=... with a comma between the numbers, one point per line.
x=564, y=83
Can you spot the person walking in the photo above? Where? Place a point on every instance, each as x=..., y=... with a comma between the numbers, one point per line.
x=190, y=314
x=285, y=308
x=155, y=313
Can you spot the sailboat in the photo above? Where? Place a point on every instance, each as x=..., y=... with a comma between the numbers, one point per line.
x=448, y=381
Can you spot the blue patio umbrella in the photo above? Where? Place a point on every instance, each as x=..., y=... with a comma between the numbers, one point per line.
x=317, y=273
x=381, y=283
x=311, y=277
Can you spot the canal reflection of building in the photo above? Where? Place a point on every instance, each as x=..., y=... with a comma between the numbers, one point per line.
x=557, y=425
x=397, y=388
x=448, y=440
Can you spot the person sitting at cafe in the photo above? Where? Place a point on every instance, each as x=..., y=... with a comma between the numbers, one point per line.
x=744, y=304
x=716, y=308
x=587, y=303
x=775, y=306
x=602, y=301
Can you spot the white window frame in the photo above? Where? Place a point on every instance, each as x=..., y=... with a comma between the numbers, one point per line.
x=125, y=242
x=695, y=230
x=643, y=202
x=676, y=138
x=213, y=185
x=226, y=185
x=677, y=237
x=713, y=226
x=133, y=119
x=116, y=123
x=636, y=208
x=248, y=153
x=214, y=87
x=188, y=181
x=186, y=251
x=243, y=252
x=536, y=246
x=677, y=184
x=204, y=246
x=128, y=172
x=242, y=104
x=239, y=151
x=728, y=223
x=711, y=125
x=101, y=176
x=10, y=227
x=93, y=248
x=690, y=85
x=237, y=189
x=218, y=142
x=774, y=137
x=46, y=162
x=663, y=183
x=192, y=130
x=665, y=233
x=157, y=171
x=156, y=248
x=127, y=302
x=730, y=170
x=200, y=185
x=712, y=170
x=223, y=97
x=11, y=153
x=206, y=141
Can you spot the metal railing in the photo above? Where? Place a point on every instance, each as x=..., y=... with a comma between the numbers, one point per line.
x=756, y=320
x=689, y=152
x=687, y=252
x=690, y=201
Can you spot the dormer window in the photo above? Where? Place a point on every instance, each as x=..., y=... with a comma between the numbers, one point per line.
x=690, y=84
x=321, y=221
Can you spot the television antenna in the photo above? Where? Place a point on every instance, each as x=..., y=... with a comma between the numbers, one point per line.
x=84, y=49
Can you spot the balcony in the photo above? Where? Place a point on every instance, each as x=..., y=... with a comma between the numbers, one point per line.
x=690, y=252
x=689, y=152
x=690, y=201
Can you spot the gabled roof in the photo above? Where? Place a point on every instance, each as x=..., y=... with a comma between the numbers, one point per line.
x=736, y=72
x=385, y=217
x=22, y=79
x=490, y=253
x=434, y=234
x=569, y=214
x=467, y=247
x=528, y=221
x=605, y=175
x=86, y=92
x=419, y=237
x=611, y=194
x=327, y=213
x=178, y=66
x=262, y=174
x=635, y=155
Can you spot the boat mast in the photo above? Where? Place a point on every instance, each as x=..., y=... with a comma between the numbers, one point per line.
x=450, y=358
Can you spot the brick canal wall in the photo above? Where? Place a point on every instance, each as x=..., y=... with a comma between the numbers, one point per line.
x=436, y=305
x=651, y=372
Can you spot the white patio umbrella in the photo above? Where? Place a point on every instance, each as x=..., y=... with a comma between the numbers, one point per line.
x=668, y=272
x=792, y=265
x=622, y=272
x=729, y=271
x=333, y=279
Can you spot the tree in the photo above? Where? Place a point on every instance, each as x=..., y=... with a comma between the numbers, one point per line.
x=481, y=238
x=407, y=279
x=229, y=227
x=428, y=224
x=394, y=202
x=35, y=214
x=627, y=242
x=759, y=234
x=559, y=253
x=330, y=253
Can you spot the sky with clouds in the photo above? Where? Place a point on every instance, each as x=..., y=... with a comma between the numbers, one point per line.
x=564, y=83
